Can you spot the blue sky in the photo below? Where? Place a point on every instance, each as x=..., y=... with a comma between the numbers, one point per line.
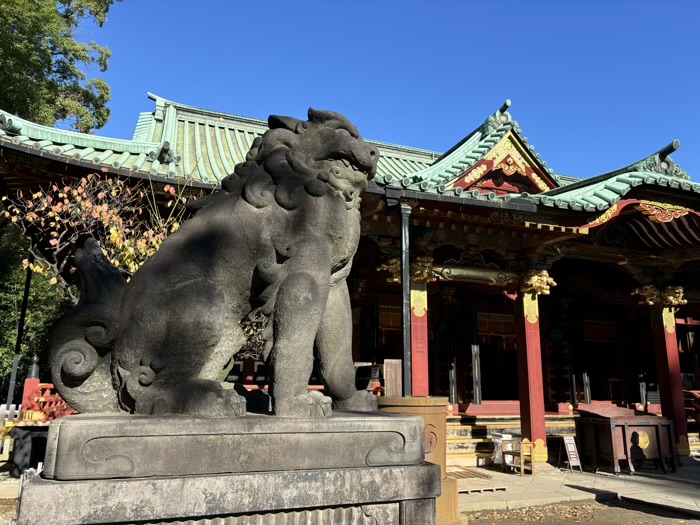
x=595, y=85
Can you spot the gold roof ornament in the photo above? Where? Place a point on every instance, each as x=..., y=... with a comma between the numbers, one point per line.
x=537, y=282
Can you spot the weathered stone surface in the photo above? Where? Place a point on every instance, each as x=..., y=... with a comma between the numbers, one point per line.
x=277, y=242
x=263, y=495
x=128, y=446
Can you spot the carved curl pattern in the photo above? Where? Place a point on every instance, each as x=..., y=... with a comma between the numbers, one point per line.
x=661, y=212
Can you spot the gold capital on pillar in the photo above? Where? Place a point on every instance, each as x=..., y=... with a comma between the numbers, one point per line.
x=534, y=283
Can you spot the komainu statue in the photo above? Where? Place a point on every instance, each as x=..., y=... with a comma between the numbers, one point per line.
x=277, y=241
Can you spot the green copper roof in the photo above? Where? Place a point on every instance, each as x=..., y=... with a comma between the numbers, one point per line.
x=179, y=142
x=601, y=192
x=464, y=155
x=176, y=141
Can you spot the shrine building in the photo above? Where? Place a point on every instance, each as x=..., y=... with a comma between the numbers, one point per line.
x=521, y=294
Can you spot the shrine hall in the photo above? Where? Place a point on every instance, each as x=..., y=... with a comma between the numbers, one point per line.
x=482, y=275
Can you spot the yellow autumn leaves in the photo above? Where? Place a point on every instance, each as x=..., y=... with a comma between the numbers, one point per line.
x=129, y=221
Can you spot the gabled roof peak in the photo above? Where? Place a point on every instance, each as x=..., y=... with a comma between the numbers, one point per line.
x=470, y=152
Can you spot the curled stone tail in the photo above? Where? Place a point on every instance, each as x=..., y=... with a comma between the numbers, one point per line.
x=81, y=342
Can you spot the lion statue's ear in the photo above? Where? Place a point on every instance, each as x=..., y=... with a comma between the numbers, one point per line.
x=333, y=120
x=290, y=123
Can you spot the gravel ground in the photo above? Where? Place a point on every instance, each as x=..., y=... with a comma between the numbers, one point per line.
x=609, y=513
x=8, y=508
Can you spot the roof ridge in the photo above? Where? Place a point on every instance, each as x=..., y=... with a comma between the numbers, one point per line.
x=18, y=126
x=250, y=120
x=203, y=111
x=659, y=162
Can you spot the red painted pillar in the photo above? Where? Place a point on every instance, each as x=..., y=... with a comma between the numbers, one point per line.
x=419, y=339
x=530, y=382
x=663, y=324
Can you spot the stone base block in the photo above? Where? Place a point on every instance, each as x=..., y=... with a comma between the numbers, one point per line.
x=128, y=446
x=354, y=496
x=350, y=469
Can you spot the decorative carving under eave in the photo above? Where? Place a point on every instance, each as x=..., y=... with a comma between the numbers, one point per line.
x=672, y=296
x=660, y=212
x=648, y=294
x=422, y=270
x=507, y=157
x=604, y=217
x=537, y=282
x=393, y=266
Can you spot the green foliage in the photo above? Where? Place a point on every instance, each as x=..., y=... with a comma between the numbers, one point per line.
x=46, y=304
x=43, y=65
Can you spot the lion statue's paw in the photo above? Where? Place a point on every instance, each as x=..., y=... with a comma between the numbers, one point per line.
x=199, y=398
x=310, y=404
x=362, y=401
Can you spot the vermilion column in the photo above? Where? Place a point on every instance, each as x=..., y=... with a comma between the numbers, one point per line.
x=419, y=339
x=663, y=324
x=530, y=383
x=663, y=327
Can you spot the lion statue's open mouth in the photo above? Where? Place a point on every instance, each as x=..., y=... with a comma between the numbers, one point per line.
x=278, y=239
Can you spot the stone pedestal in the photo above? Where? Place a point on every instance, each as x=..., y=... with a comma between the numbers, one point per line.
x=433, y=412
x=348, y=469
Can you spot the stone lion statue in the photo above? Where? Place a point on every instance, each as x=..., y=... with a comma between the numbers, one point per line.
x=278, y=241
